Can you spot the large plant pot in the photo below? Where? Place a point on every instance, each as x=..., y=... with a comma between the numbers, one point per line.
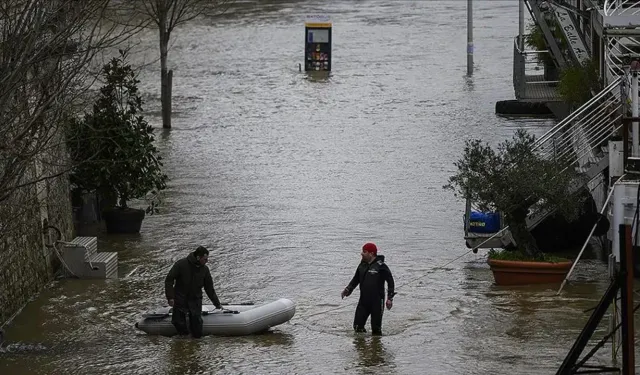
x=128, y=220
x=510, y=272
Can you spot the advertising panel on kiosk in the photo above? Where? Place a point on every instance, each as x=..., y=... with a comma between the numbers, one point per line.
x=317, y=55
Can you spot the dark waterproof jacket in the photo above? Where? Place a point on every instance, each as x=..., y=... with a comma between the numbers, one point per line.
x=371, y=278
x=185, y=281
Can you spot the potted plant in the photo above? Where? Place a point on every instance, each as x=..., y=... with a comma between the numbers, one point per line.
x=578, y=83
x=515, y=180
x=536, y=39
x=113, y=150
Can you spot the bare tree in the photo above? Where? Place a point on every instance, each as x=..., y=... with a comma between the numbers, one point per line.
x=167, y=15
x=46, y=52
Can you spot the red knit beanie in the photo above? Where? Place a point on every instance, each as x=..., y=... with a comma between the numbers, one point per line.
x=370, y=248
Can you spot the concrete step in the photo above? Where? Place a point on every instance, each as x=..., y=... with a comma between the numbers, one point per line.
x=76, y=252
x=90, y=245
x=82, y=259
x=102, y=265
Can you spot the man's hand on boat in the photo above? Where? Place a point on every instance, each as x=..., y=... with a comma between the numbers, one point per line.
x=170, y=302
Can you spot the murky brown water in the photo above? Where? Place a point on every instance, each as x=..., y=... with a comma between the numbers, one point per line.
x=285, y=177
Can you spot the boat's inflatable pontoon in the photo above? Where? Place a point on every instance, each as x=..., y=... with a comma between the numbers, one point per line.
x=232, y=320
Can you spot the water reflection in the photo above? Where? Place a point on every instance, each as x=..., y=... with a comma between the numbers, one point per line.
x=523, y=314
x=273, y=338
x=318, y=76
x=283, y=172
x=469, y=84
x=183, y=356
x=371, y=352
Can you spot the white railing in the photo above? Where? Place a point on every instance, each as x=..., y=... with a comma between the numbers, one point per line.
x=621, y=7
x=619, y=51
x=527, y=63
x=589, y=126
x=577, y=140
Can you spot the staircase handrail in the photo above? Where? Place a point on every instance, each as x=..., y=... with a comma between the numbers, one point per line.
x=516, y=43
x=562, y=124
x=593, y=122
x=596, y=132
x=619, y=8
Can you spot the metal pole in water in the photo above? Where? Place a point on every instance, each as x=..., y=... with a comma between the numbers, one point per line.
x=635, y=65
x=521, y=25
x=469, y=37
x=613, y=318
x=626, y=300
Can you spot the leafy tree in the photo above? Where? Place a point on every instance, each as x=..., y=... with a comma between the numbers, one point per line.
x=516, y=180
x=113, y=146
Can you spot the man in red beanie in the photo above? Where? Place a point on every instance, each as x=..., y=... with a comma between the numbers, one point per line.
x=371, y=275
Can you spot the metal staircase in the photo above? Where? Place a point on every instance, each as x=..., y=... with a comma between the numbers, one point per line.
x=567, y=42
x=562, y=16
x=580, y=140
x=566, y=18
x=542, y=15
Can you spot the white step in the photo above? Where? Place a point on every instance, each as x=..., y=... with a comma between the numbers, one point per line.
x=82, y=259
x=76, y=252
x=102, y=265
x=89, y=243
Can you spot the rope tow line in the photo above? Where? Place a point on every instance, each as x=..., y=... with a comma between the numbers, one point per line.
x=399, y=287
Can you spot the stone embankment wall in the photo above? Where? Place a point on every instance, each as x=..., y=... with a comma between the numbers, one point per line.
x=26, y=264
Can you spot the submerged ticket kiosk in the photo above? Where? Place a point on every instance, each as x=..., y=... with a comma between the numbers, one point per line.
x=317, y=46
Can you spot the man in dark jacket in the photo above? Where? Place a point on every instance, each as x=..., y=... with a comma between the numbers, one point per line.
x=183, y=288
x=371, y=274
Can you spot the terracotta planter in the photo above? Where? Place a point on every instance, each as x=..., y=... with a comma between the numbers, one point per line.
x=510, y=272
x=128, y=220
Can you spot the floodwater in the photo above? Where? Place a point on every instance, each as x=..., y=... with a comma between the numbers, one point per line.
x=285, y=176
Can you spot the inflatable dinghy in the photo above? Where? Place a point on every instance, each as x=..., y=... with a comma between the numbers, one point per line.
x=232, y=320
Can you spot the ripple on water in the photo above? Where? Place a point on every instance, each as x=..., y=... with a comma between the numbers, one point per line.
x=284, y=177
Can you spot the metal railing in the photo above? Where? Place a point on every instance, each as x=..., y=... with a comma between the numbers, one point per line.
x=621, y=7
x=527, y=63
x=589, y=126
x=577, y=140
x=622, y=44
x=619, y=51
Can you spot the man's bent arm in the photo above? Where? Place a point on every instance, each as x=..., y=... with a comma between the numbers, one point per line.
x=354, y=282
x=169, y=280
x=391, y=285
